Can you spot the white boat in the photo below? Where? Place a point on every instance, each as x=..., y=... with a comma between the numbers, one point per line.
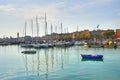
x=60, y=44
x=36, y=46
x=44, y=45
x=79, y=43
x=85, y=46
x=50, y=45
x=26, y=45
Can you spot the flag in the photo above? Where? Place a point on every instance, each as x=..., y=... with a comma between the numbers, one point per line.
x=98, y=26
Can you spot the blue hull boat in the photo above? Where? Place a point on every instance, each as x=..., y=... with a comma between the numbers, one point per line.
x=91, y=56
x=84, y=59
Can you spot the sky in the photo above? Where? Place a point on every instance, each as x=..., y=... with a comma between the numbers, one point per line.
x=86, y=14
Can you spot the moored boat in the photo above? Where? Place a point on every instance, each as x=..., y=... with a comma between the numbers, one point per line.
x=84, y=59
x=29, y=52
x=37, y=46
x=91, y=56
x=79, y=43
x=26, y=45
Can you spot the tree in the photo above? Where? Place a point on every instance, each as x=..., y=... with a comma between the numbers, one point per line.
x=109, y=35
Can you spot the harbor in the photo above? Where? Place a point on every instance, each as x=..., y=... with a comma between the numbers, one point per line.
x=97, y=38
x=68, y=39
x=58, y=63
x=59, y=39
x=77, y=55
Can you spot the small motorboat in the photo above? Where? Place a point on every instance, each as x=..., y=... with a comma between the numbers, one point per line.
x=91, y=56
x=28, y=52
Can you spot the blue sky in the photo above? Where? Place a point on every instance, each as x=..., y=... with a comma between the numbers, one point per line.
x=86, y=14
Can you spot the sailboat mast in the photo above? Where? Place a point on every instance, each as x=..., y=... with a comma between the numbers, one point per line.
x=77, y=28
x=25, y=27
x=37, y=25
x=45, y=28
x=32, y=27
x=55, y=29
x=61, y=28
x=51, y=33
x=51, y=29
x=67, y=29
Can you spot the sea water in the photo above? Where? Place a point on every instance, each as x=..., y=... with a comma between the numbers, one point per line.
x=58, y=64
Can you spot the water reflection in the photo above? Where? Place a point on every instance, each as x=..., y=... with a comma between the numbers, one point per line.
x=55, y=63
x=38, y=64
x=52, y=58
x=47, y=61
x=29, y=62
x=83, y=59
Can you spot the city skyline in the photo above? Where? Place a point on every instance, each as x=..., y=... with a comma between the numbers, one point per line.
x=86, y=14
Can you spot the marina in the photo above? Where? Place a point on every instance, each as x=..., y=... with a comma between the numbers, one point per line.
x=60, y=40
x=58, y=63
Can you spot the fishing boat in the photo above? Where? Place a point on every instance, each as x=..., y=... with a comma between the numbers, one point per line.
x=29, y=52
x=91, y=56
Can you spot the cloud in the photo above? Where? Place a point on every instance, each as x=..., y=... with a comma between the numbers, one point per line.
x=80, y=6
x=90, y=3
x=7, y=8
x=118, y=13
x=31, y=11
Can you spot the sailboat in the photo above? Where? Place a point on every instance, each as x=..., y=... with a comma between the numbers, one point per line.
x=50, y=44
x=61, y=43
x=45, y=44
x=37, y=45
x=26, y=44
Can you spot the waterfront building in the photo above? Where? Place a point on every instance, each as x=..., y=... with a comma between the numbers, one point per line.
x=117, y=37
x=118, y=33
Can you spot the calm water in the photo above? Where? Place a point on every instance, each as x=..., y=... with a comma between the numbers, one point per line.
x=58, y=64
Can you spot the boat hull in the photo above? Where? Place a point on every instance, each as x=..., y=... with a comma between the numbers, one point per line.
x=89, y=56
x=28, y=52
x=84, y=59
